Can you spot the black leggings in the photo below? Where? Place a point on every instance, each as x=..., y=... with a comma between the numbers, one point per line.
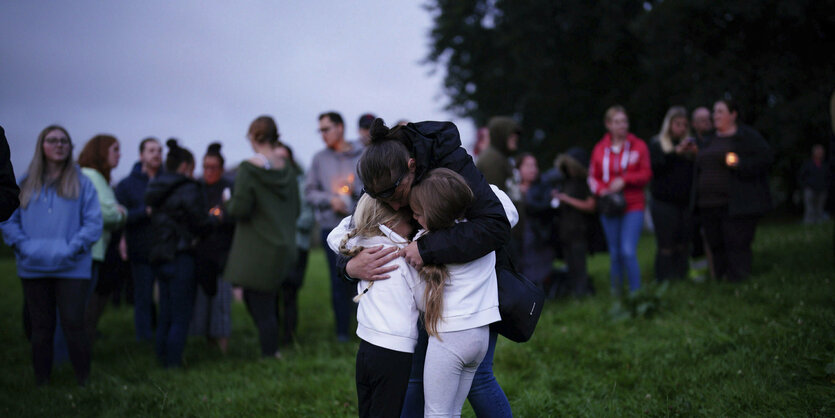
x=729, y=239
x=261, y=306
x=42, y=297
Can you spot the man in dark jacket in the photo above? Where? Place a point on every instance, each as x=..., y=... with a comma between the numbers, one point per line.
x=9, y=192
x=131, y=194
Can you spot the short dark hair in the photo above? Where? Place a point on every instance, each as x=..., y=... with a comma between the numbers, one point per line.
x=145, y=141
x=732, y=106
x=334, y=117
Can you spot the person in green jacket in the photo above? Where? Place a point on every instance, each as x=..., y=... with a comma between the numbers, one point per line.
x=99, y=156
x=265, y=205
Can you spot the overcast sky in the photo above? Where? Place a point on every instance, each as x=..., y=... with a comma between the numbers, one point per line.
x=201, y=71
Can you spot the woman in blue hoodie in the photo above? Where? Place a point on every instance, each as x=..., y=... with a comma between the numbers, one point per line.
x=52, y=234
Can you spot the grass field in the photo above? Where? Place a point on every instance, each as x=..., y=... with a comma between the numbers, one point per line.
x=762, y=348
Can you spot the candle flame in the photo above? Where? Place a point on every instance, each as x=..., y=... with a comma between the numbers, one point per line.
x=344, y=190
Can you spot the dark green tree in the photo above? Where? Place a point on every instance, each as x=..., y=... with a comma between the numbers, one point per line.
x=556, y=66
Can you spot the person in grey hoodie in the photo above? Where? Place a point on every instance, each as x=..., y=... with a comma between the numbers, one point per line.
x=332, y=189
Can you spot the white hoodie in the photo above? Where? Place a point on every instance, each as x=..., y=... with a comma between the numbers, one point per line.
x=387, y=314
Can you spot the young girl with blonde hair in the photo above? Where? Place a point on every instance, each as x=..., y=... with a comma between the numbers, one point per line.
x=388, y=309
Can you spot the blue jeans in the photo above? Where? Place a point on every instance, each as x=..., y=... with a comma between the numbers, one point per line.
x=622, y=234
x=486, y=396
x=176, y=299
x=341, y=292
x=143, y=300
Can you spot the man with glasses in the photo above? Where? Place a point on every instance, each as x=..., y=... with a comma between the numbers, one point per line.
x=332, y=189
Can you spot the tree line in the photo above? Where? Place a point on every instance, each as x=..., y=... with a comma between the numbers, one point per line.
x=556, y=66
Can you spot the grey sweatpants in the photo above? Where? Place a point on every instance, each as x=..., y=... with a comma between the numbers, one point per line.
x=448, y=370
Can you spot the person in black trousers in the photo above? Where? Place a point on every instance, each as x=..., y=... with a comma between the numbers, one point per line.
x=732, y=190
x=672, y=152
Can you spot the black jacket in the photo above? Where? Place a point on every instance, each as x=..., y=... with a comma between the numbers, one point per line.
x=130, y=192
x=749, y=193
x=672, y=175
x=9, y=192
x=438, y=144
x=179, y=215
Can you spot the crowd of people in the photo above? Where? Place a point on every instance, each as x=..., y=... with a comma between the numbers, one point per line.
x=415, y=228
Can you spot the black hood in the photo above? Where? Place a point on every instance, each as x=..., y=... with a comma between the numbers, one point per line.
x=430, y=143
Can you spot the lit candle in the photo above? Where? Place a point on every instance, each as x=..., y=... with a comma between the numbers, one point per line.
x=731, y=159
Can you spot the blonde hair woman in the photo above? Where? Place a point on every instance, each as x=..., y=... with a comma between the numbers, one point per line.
x=52, y=234
x=672, y=152
x=620, y=167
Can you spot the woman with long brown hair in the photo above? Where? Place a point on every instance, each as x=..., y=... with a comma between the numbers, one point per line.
x=99, y=156
x=52, y=234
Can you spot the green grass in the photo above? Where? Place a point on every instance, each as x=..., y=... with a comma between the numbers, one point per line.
x=762, y=348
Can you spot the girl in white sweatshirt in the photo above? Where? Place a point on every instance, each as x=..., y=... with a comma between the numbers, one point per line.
x=387, y=314
x=460, y=300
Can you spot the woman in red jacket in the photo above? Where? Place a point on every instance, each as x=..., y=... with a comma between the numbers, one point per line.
x=620, y=164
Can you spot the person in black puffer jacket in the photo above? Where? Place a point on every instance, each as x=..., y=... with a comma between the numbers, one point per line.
x=179, y=216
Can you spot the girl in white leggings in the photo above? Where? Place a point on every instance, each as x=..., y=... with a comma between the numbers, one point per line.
x=459, y=300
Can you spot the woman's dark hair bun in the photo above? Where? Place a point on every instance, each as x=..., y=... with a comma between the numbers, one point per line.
x=378, y=130
x=214, y=148
x=172, y=143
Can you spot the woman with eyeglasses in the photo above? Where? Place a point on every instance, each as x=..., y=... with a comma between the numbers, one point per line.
x=397, y=159
x=52, y=234
x=265, y=205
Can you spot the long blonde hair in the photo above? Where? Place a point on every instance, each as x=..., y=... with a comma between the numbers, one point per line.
x=67, y=184
x=369, y=214
x=664, y=136
x=441, y=197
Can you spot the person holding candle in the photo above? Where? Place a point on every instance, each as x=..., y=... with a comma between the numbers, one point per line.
x=179, y=217
x=213, y=302
x=732, y=190
x=620, y=167
x=332, y=188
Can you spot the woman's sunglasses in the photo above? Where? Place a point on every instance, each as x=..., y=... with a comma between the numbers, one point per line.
x=387, y=193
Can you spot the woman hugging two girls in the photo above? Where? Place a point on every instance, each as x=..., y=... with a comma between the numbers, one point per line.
x=459, y=302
